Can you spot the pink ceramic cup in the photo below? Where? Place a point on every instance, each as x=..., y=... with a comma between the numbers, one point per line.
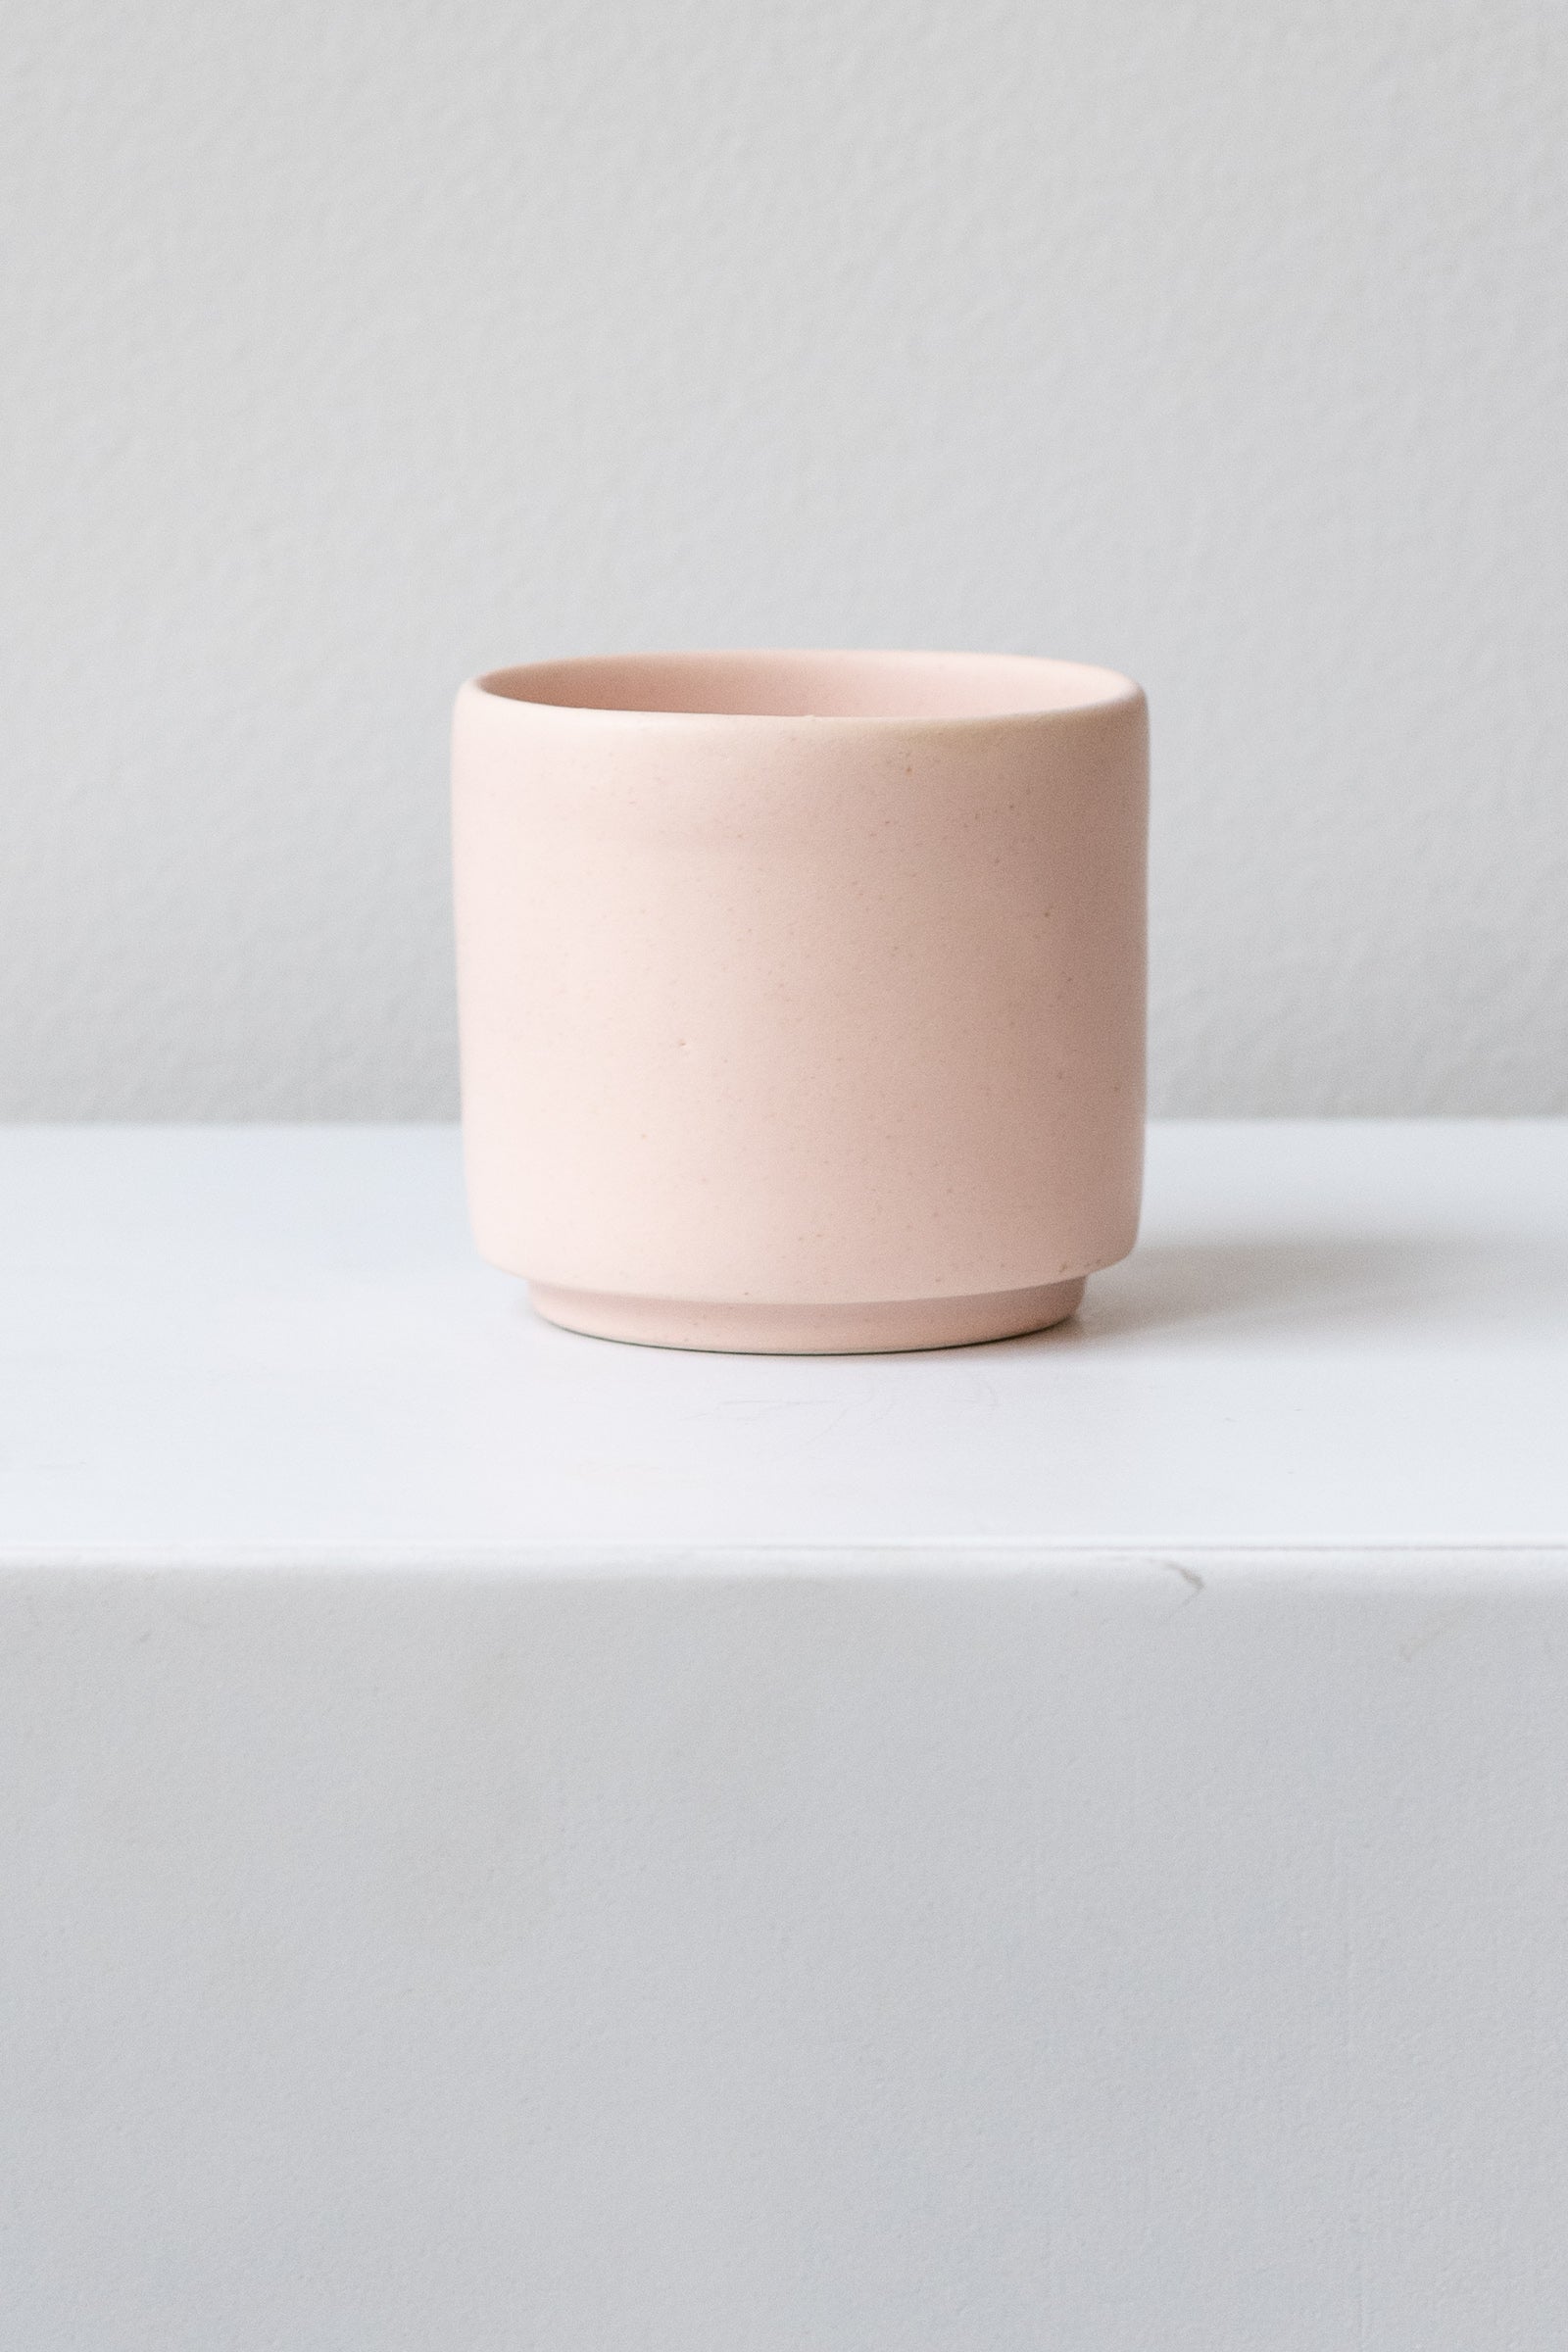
x=802, y=995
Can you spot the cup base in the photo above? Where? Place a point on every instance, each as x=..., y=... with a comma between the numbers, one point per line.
x=883, y=1328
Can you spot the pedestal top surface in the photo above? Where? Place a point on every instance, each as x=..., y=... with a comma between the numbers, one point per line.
x=259, y=1345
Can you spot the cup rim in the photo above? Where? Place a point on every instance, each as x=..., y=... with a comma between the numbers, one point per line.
x=1076, y=689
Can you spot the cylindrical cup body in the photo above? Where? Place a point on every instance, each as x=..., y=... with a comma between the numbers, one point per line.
x=799, y=1010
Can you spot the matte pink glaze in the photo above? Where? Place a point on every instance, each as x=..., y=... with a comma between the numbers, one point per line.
x=802, y=995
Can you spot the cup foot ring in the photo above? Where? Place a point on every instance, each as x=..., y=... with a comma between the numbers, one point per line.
x=880, y=1328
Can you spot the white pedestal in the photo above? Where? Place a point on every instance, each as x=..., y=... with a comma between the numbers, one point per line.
x=511, y=1843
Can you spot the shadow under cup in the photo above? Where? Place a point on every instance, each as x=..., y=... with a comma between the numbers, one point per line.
x=801, y=995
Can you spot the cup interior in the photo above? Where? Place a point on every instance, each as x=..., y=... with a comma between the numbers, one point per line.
x=814, y=685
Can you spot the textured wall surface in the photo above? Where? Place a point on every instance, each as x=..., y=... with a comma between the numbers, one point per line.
x=350, y=349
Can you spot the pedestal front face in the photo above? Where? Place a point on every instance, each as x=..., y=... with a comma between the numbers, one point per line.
x=1081, y=1953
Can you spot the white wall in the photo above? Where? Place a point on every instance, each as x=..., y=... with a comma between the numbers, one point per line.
x=351, y=348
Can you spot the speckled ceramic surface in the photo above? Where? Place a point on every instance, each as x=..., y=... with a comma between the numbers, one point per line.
x=802, y=995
